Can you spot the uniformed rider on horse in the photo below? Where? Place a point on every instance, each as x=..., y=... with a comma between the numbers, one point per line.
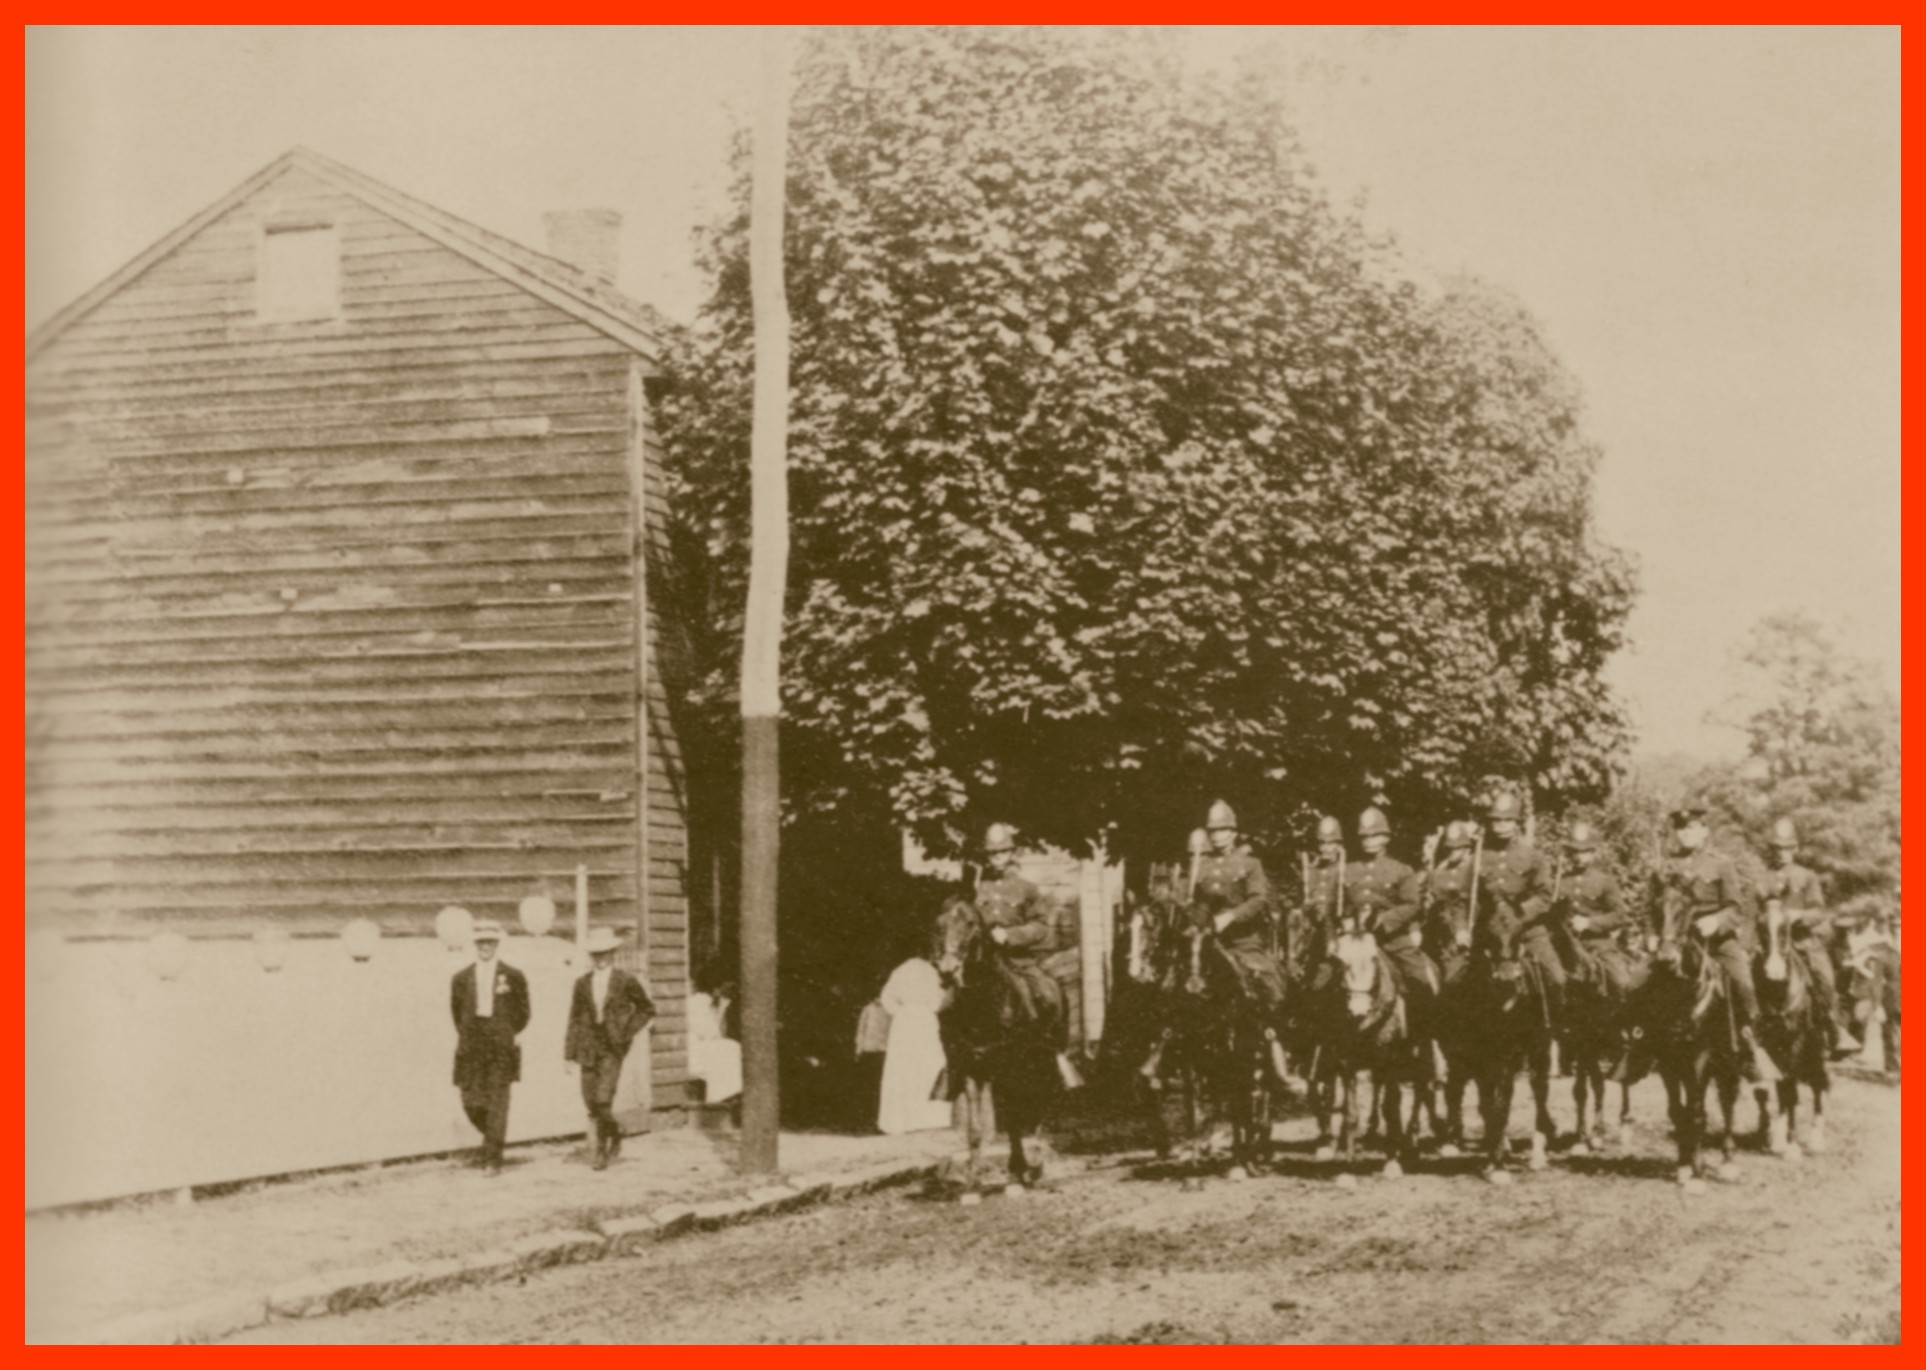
x=1704, y=888
x=1323, y=879
x=1232, y=899
x=1013, y=910
x=1514, y=875
x=1383, y=896
x=1449, y=919
x=1799, y=893
x=1594, y=920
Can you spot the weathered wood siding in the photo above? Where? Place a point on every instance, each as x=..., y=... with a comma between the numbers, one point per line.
x=340, y=619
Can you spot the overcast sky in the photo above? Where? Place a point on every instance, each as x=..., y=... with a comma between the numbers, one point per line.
x=1707, y=222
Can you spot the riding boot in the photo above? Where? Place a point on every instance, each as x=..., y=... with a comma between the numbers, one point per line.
x=1279, y=1066
x=1843, y=1045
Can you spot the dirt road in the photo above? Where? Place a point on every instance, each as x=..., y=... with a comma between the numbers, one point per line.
x=1602, y=1249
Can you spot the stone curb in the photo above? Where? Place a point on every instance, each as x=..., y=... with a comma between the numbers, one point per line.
x=343, y=1291
x=547, y=1249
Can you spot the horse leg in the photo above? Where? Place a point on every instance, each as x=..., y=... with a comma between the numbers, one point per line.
x=1262, y=1102
x=1581, y=1098
x=1397, y=1144
x=1019, y=1164
x=1243, y=1111
x=1494, y=1099
x=1153, y=1097
x=1624, y=1114
x=1785, y=1125
x=973, y=1114
x=1454, y=1128
x=1348, y=1129
x=1543, y=1129
x=1728, y=1083
x=1324, y=1102
x=1188, y=1152
x=1680, y=1087
x=1588, y=1087
x=1816, y=1131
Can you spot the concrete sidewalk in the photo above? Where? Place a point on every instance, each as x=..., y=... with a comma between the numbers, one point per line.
x=157, y=1270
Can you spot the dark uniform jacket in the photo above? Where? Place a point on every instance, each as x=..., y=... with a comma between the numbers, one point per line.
x=1012, y=903
x=485, y=1049
x=1515, y=877
x=1383, y=893
x=1799, y=890
x=1595, y=894
x=1700, y=883
x=1234, y=883
x=625, y=1012
x=1447, y=903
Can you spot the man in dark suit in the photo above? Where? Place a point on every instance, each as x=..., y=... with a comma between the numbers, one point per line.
x=609, y=1008
x=489, y=1001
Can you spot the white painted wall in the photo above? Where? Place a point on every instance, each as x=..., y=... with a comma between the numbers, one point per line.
x=230, y=1072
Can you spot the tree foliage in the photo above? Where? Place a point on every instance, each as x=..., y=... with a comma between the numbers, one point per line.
x=1823, y=750
x=1126, y=470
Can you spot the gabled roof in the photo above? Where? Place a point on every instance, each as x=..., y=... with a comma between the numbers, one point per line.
x=594, y=302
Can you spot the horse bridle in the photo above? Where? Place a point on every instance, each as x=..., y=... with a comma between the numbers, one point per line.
x=980, y=926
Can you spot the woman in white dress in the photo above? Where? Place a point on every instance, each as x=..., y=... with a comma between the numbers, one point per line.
x=914, y=1060
x=713, y=1057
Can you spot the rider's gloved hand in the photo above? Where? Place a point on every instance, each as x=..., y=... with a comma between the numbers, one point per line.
x=1580, y=922
x=1708, y=925
x=999, y=936
x=1220, y=922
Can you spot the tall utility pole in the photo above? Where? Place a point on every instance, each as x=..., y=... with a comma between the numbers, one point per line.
x=762, y=619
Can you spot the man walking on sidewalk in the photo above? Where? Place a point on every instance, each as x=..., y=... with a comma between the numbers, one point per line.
x=489, y=1001
x=609, y=1008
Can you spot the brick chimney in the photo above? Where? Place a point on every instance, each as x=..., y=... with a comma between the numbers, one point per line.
x=589, y=239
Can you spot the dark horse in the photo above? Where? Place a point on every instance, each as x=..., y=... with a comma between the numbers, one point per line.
x=1361, y=1026
x=989, y=1042
x=1793, y=1032
x=1683, y=1019
x=1204, y=1035
x=1505, y=1025
x=1593, y=1042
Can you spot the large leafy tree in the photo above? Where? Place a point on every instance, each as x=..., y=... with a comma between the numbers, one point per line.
x=1126, y=470
x=1823, y=749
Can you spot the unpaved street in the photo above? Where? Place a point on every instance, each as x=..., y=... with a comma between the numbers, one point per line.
x=1606, y=1249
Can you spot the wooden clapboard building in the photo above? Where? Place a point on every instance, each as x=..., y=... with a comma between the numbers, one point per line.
x=338, y=595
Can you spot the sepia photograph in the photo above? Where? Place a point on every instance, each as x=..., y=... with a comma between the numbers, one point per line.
x=962, y=685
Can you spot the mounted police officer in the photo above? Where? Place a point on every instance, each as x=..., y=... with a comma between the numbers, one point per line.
x=1448, y=916
x=1323, y=879
x=1382, y=893
x=1019, y=922
x=1594, y=918
x=1709, y=895
x=1233, y=894
x=1514, y=874
x=1800, y=894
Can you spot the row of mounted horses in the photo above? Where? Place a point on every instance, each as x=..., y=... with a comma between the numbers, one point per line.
x=1187, y=1035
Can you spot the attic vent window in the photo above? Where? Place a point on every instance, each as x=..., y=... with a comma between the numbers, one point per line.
x=300, y=273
